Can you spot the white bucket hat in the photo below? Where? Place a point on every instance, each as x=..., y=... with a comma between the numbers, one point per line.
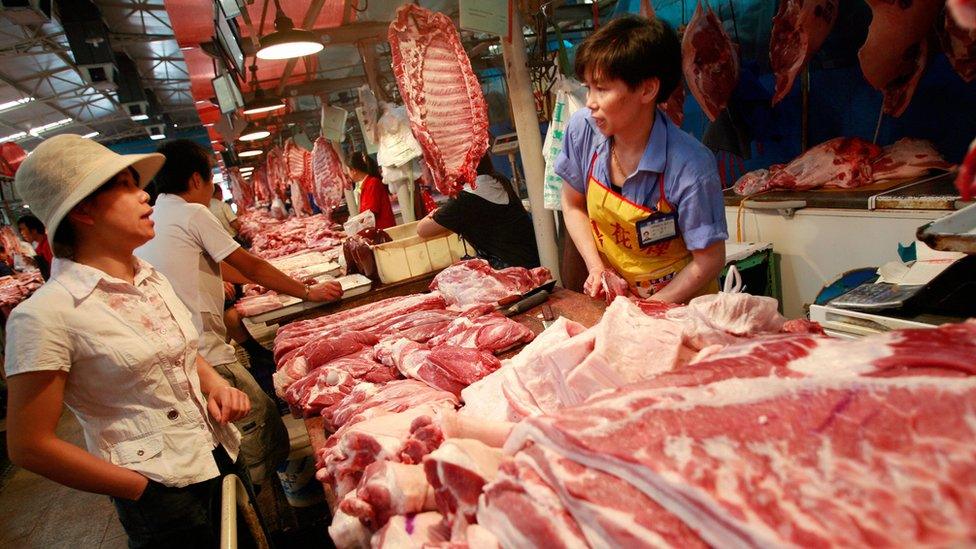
x=65, y=169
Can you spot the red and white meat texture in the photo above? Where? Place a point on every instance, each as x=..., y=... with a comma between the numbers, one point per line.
x=299, y=200
x=448, y=113
x=254, y=305
x=297, y=334
x=348, y=532
x=241, y=191
x=842, y=162
x=350, y=450
x=368, y=399
x=323, y=389
x=328, y=175
x=494, y=333
x=710, y=62
x=296, y=235
x=959, y=44
x=277, y=174
x=389, y=488
x=799, y=29
x=458, y=471
x=445, y=367
x=412, y=532
x=907, y=158
x=785, y=440
x=963, y=12
x=895, y=52
x=613, y=285
x=319, y=352
x=966, y=179
x=298, y=165
x=473, y=282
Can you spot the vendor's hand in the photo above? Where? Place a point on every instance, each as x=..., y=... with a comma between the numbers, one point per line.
x=228, y=404
x=593, y=286
x=229, y=292
x=326, y=291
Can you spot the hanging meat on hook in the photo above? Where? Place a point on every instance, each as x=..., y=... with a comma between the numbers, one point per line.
x=960, y=47
x=447, y=110
x=709, y=61
x=799, y=29
x=674, y=106
x=895, y=52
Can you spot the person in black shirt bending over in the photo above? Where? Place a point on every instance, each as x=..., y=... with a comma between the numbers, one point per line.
x=490, y=216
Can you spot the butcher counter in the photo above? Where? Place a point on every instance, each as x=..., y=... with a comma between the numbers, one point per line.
x=572, y=305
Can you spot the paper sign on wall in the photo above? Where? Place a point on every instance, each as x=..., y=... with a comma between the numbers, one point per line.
x=371, y=146
x=489, y=16
x=334, y=123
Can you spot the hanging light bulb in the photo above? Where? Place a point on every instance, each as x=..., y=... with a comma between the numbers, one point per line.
x=287, y=42
x=253, y=132
x=261, y=102
x=252, y=152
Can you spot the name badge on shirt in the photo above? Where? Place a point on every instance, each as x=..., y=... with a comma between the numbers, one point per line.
x=657, y=228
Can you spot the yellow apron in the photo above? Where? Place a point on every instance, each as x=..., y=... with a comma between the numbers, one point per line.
x=614, y=220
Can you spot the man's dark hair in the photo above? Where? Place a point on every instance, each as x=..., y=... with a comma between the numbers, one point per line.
x=633, y=49
x=32, y=223
x=183, y=159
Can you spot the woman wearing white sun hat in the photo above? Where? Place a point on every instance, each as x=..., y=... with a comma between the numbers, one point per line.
x=108, y=338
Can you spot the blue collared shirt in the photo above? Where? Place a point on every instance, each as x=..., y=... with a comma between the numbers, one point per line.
x=691, y=180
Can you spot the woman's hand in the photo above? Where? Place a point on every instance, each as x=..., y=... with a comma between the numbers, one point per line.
x=227, y=404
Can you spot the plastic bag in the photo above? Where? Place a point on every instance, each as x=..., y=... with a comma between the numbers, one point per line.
x=569, y=99
x=358, y=223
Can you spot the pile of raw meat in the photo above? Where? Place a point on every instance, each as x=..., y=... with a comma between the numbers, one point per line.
x=16, y=288
x=271, y=238
x=710, y=424
x=473, y=281
x=846, y=163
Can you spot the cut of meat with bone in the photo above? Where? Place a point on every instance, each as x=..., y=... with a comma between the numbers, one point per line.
x=842, y=162
x=959, y=44
x=444, y=367
x=853, y=443
x=298, y=364
x=323, y=389
x=389, y=488
x=474, y=282
x=328, y=176
x=412, y=532
x=907, y=158
x=493, y=333
x=367, y=399
x=447, y=110
x=709, y=61
x=799, y=29
x=350, y=450
x=457, y=472
x=896, y=49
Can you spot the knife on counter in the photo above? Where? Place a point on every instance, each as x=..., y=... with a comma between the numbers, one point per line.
x=526, y=303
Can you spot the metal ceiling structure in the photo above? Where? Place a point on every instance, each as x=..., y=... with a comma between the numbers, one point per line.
x=37, y=62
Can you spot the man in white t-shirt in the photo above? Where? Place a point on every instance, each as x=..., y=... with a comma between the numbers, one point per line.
x=223, y=212
x=188, y=249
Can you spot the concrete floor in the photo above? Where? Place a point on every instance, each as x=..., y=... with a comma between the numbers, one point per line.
x=35, y=512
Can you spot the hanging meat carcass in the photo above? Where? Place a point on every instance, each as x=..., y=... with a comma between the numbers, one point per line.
x=276, y=173
x=262, y=191
x=298, y=165
x=443, y=97
x=242, y=192
x=964, y=13
x=710, y=62
x=895, y=52
x=674, y=106
x=960, y=47
x=329, y=177
x=799, y=29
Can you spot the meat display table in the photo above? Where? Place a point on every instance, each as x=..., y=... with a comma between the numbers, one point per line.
x=572, y=305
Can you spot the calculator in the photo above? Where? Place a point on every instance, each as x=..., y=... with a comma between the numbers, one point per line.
x=876, y=297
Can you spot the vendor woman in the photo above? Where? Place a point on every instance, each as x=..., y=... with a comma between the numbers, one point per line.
x=108, y=337
x=642, y=197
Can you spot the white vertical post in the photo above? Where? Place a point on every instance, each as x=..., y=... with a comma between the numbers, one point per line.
x=530, y=141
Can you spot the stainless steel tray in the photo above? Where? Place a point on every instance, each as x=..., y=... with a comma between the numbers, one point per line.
x=955, y=232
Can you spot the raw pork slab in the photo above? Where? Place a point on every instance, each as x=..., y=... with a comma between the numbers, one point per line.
x=854, y=443
x=799, y=29
x=710, y=61
x=443, y=97
x=389, y=488
x=842, y=162
x=473, y=282
x=960, y=47
x=457, y=471
x=328, y=176
x=907, y=158
x=493, y=333
x=395, y=396
x=444, y=367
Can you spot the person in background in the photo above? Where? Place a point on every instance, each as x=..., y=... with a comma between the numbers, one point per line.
x=34, y=232
x=188, y=248
x=374, y=195
x=6, y=262
x=491, y=217
x=642, y=198
x=109, y=338
x=223, y=212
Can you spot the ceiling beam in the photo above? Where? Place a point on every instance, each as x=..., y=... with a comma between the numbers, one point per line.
x=324, y=87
